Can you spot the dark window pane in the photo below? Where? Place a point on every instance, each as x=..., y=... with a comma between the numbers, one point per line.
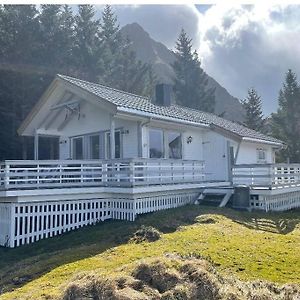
x=94, y=147
x=156, y=143
x=78, y=148
x=175, y=146
x=118, y=144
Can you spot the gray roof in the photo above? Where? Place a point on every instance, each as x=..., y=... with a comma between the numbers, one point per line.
x=143, y=104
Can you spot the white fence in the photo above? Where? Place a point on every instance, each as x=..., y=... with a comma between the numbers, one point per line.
x=278, y=202
x=271, y=176
x=24, y=223
x=119, y=172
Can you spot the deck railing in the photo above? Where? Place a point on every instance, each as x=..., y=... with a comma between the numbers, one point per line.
x=267, y=175
x=30, y=174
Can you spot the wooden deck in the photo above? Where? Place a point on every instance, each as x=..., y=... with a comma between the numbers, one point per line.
x=273, y=187
x=268, y=176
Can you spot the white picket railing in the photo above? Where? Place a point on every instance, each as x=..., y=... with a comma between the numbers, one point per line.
x=27, y=222
x=272, y=176
x=31, y=174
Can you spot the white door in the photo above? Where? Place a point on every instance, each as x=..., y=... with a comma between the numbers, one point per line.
x=215, y=156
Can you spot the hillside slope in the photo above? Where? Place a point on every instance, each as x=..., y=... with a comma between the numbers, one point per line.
x=248, y=246
x=161, y=58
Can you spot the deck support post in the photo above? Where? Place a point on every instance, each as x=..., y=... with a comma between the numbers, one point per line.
x=36, y=146
x=112, y=137
x=139, y=139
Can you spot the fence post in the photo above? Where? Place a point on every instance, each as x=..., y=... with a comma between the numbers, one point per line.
x=6, y=176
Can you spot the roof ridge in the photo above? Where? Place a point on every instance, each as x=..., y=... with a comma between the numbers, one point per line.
x=103, y=86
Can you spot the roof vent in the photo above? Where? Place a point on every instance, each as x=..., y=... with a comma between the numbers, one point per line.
x=163, y=94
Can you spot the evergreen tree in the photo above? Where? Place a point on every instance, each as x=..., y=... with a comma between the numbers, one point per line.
x=87, y=45
x=190, y=82
x=286, y=122
x=37, y=44
x=253, y=108
x=122, y=69
x=19, y=29
x=110, y=29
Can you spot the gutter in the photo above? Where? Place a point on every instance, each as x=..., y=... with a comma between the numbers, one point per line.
x=153, y=116
x=248, y=139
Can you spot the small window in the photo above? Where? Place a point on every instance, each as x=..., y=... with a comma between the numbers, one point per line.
x=261, y=155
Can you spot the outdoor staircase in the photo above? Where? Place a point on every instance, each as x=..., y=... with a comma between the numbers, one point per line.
x=215, y=196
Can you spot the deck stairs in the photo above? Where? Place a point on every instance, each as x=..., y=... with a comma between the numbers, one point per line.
x=215, y=196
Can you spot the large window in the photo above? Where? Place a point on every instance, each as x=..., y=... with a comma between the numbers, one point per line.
x=77, y=145
x=94, y=146
x=118, y=149
x=156, y=143
x=175, y=145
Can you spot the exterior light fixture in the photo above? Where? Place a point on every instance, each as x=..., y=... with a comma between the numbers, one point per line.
x=189, y=139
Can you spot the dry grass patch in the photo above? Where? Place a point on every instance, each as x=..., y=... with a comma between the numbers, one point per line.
x=145, y=234
x=175, y=278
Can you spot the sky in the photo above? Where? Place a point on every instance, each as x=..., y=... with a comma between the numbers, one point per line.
x=241, y=46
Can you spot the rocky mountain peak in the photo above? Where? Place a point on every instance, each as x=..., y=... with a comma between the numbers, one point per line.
x=161, y=58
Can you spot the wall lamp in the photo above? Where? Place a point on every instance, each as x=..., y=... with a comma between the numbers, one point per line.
x=189, y=139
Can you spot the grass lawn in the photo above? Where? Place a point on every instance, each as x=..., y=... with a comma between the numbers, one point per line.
x=247, y=245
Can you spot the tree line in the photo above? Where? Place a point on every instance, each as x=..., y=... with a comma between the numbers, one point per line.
x=284, y=124
x=36, y=43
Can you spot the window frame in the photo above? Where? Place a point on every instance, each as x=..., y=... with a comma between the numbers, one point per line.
x=107, y=144
x=165, y=142
x=168, y=143
x=260, y=151
x=73, y=148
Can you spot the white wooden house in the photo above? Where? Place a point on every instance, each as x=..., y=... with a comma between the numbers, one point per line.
x=121, y=155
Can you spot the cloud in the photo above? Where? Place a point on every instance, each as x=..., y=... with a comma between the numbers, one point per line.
x=241, y=46
x=163, y=22
x=245, y=46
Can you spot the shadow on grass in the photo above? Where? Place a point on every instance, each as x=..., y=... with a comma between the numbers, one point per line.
x=274, y=222
x=21, y=265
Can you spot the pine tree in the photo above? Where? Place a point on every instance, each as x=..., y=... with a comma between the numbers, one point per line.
x=286, y=122
x=253, y=107
x=110, y=29
x=122, y=69
x=190, y=82
x=19, y=29
x=87, y=45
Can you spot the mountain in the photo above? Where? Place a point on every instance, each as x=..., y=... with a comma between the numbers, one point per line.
x=161, y=58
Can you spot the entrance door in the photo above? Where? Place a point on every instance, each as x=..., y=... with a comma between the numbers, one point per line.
x=215, y=157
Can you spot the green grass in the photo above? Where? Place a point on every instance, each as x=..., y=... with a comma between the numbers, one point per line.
x=249, y=245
